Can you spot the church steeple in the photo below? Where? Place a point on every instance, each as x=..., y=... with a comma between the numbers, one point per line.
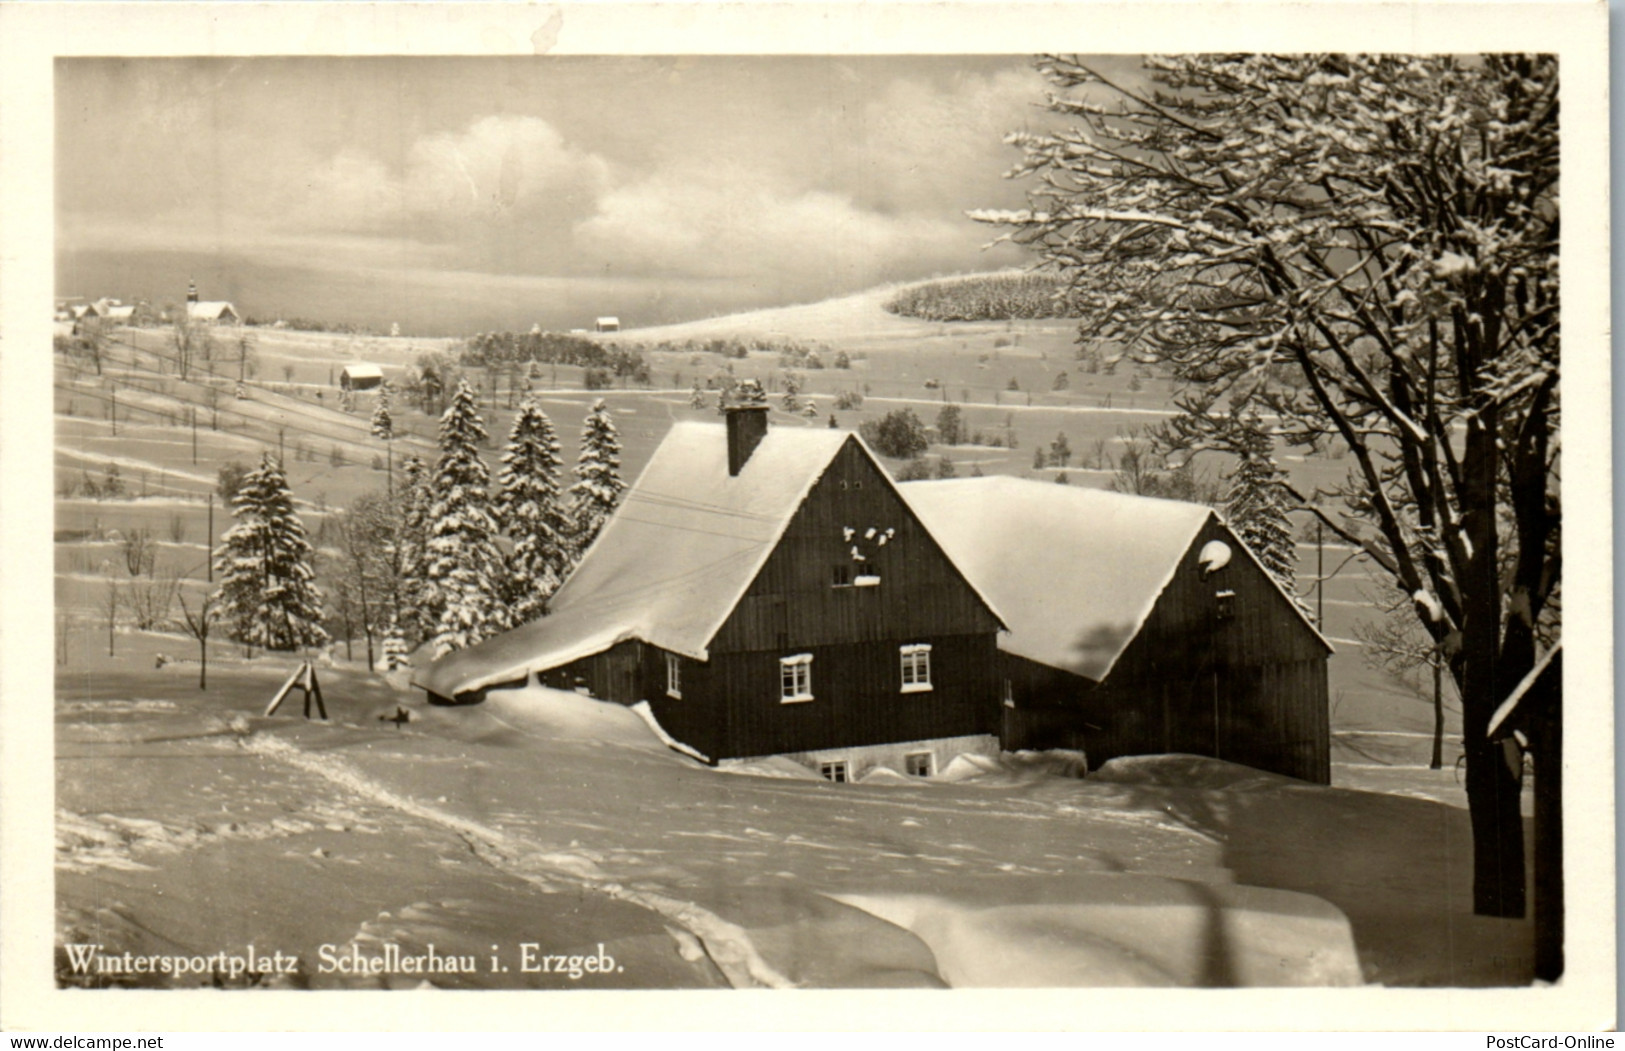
x=191, y=291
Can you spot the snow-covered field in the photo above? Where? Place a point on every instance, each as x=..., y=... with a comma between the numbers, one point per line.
x=189, y=824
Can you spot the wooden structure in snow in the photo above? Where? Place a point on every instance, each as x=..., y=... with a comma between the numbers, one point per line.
x=1136, y=626
x=767, y=592
x=775, y=593
x=360, y=376
x=607, y=324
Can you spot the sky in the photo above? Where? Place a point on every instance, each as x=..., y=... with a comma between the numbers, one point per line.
x=454, y=195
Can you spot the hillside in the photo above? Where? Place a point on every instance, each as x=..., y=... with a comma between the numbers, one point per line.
x=860, y=320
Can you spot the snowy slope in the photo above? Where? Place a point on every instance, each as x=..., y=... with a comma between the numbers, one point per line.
x=445, y=831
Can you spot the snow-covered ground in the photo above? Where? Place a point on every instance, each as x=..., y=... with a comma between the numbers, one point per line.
x=189, y=823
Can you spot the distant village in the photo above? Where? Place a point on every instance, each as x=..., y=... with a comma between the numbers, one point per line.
x=142, y=312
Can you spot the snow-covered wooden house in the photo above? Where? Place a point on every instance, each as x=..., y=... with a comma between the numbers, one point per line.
x=1136, y=626
x=767, y=592
x=607, y=324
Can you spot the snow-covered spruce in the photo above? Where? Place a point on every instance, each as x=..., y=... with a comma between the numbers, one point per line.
x=531, y=512
x=383, y=424
x=1256, y=507
x=413, y=538
x=598, y=486
x=396, y=654
x=464, y=568
x=267, y=587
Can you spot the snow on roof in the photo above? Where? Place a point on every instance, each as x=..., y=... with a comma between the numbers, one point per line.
x=672, y=562
x=210, y=311
x=1074, y=571
x=361, y=370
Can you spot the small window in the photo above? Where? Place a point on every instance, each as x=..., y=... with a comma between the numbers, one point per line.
x=916, y=667
x=795, y=678
x=835, y=771
x=840, y=576
x=918, y=764
x=1009, y=694
x=674, y=675
x=1225, y=604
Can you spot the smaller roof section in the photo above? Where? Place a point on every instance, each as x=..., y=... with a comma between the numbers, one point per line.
x=1074, y=572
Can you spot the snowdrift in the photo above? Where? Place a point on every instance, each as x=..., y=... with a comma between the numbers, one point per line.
x=561, y=715
x=1126, y=930
x=1189, y=771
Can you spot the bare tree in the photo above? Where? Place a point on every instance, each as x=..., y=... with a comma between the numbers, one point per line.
x=1397, y=645
x=198, y=625
x=192, y=342
x=152, y=600
x=140, y=551
x=109, y=604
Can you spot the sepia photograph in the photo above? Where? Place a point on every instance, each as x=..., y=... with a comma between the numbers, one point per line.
x=945, y=506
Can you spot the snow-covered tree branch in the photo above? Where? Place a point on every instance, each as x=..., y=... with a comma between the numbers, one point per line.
x=1362, y=247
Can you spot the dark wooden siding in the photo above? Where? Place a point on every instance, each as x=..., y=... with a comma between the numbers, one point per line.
x=1250, y=688
x=699, y=718
x=857, y=696
x=614, y=675
x=792, y=602
x=730, y=705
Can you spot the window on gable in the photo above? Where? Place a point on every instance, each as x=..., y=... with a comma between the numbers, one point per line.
x=1225, y=606
x=916, y=667
x=918, y=764
x=840, y=575
x=836, y=771
x=674, y=675
x=795, y=678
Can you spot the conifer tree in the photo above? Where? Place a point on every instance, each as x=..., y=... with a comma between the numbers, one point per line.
x=531, y=514
x=396, y=653
x=598, y=485
x=464, y=568
x=1256, y=507
x=267, y=584
x=412, y=550
x=383, y=424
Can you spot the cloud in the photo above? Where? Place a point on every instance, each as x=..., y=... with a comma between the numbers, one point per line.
x=502, y=170
x=924, y=147
x=723, y=221
x=726, y=184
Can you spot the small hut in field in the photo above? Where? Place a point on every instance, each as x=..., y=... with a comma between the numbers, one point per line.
x=361, y=376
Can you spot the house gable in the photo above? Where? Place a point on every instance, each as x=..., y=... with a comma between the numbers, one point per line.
x=818, y=587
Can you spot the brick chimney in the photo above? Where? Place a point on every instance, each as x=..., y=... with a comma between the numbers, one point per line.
x=747, y=424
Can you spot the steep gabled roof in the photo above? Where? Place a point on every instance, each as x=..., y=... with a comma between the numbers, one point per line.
x=671, y=564
x=1075, y=571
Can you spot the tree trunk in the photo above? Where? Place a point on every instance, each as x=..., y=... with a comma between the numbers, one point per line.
x=1493, y=775
x=1437, y=761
